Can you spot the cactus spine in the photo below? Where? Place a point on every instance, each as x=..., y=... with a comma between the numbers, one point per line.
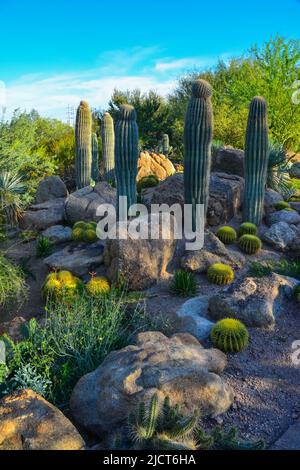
x=95, y=158
x=256, y=161
x=83, y=144
x=108, y=146
x=198, y=132
x=126, y=154
x=166, y=144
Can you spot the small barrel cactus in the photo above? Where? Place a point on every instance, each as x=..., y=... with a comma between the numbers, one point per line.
x=230, y=335
x=198, y=132
x=220, y=274
x=297, y=293
x=227, y=235
x=165, y=144
x=250, y=244
x=85, y=231
x=98, y=286
x=108, y=146
x=83, y=145
x=247, y=228
x=256, y=161
x=126, y=154
x=279, y=206
x=95, y=158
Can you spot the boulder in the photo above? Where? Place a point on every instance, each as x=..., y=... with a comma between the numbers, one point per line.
x=229, y=160
x=271, y=198
x=41, y=216
x=58, y=234
x=254, y=301
x=79, y=259
x=50, y=188
x=282, y=236
x=178, y=367
x=29, y=422
x=294, y=171
x=295, y=206
x=191, y=318
x=151, y=163
x=289, y=217
x=140, y=262
x=226, y=195
x=13, y=328
x=83, y=204
x=213, y=251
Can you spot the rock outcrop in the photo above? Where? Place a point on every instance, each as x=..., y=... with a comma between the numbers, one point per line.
x=151, y=163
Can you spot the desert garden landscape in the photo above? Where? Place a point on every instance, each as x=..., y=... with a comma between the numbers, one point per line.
x=141, y=343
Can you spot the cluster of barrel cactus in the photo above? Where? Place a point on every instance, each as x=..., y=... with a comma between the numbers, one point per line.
x=84, y=232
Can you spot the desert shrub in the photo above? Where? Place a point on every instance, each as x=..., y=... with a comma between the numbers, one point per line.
x=13, y=288
x=220, y=274
x=250, y=244
x=227, y=235
x=283, y=267
x=183, y=284
x=229, y=335
x=247, y=228
x=297, y=293
x=279, y=206
x=147, y=182
x=73, y=340
x=43, y=247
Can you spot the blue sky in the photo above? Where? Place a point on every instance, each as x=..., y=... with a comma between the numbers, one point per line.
x=55, y=53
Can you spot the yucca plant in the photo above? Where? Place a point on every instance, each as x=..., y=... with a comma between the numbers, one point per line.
x=183, y=284
x=11, y=188
x=43, y=247
x=278, y=176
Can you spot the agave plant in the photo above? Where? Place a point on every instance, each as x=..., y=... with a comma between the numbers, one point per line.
x=278, y=176
x=11, y=188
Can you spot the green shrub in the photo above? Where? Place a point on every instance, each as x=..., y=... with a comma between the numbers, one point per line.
x=183, y=284
x=229, y=335
x=284, y=267
x=247, y=228
x=282, y=205
x=250, y=244
x=13, y=288
x=227, y=235
x=220, y=274
x=43, y=247
x=297, y=293
x=147, y=182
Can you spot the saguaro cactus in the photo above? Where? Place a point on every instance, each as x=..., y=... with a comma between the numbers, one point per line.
x=198, y=132
x=256, y=161
x=108, y=146
x=126, y=153
x=83, y=144
x=166, y=144
x=95, y=157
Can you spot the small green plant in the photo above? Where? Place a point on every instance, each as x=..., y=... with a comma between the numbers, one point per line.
x=250, y=244
x=161, y=427
x=297, y=293
x=183, y=284
x=279, y=206
x=13, y=288
x=226, y=440
x=11, y=190
x=227, y=235
x=28, y=377
x=230, y=335
x=28, y=235
x=43, y=247
x=284, y=268
x=147, y=182
x=220, y=274
x=247, y=228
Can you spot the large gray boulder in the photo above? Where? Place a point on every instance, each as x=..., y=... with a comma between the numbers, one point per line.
x=289, y=217
x=41, y=216
x=29, y=422
x=226, y=195
x=229, y=160
x=50, y=188
x=178, y=367
x=83, y=204
x=191, y=318
x=271, y=198
x=282, y=236
x=58, y=234
x=295, y=170
x=254, y=301
x=213, y=251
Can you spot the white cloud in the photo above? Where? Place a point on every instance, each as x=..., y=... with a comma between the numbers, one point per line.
x=184, y=64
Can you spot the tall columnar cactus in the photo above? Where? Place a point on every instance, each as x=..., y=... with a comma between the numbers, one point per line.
x=166, y=144
x=95, y=158
x=126, y=153
x=83, y=144
x=198, y=133
x=256, y=161
x=108, y=146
